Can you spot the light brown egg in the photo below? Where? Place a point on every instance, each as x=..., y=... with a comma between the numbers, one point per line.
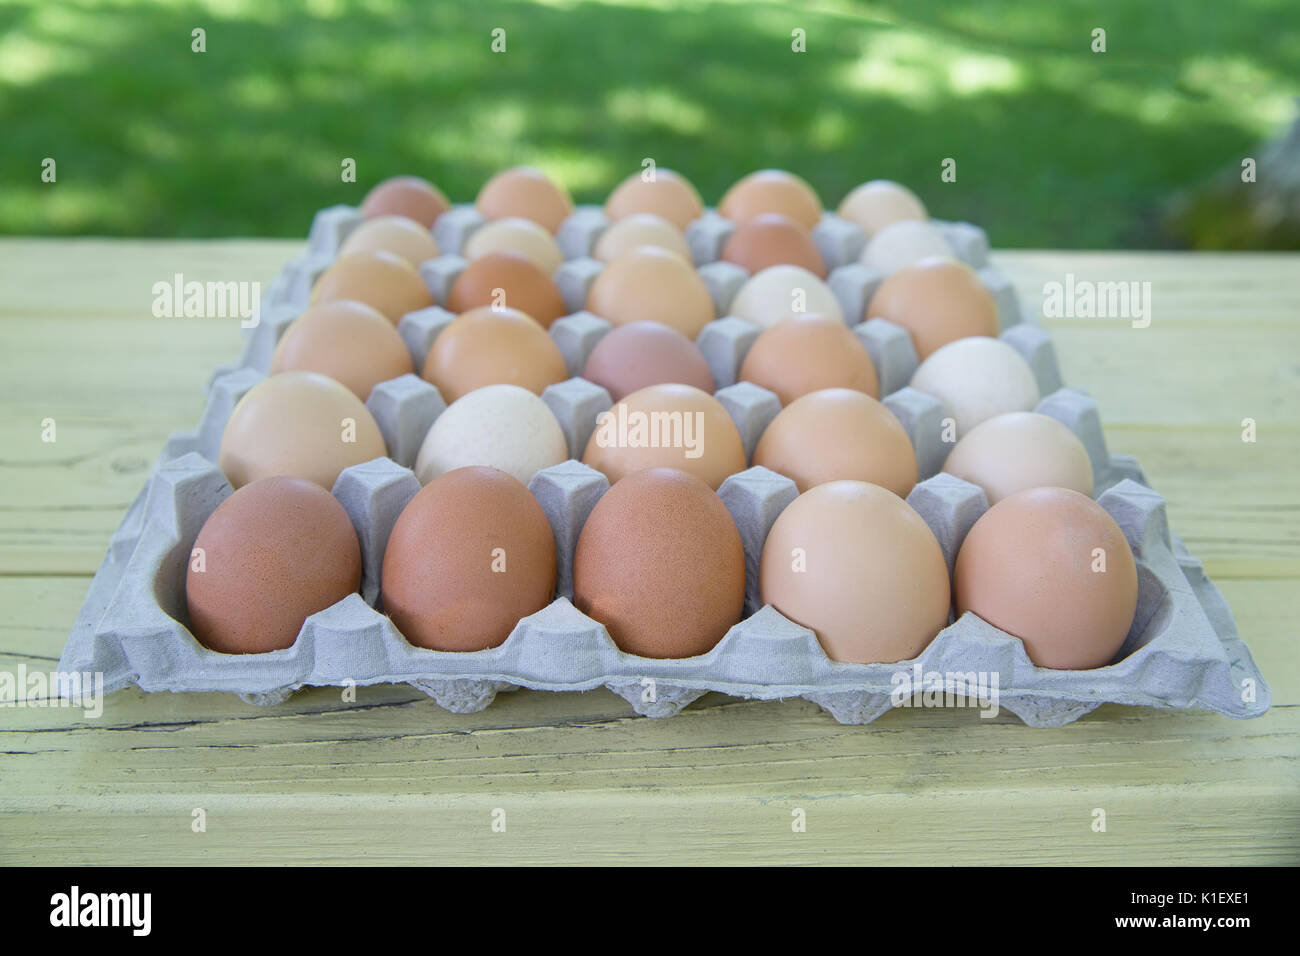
x=522, y=236
x=488, y=346
x=470, y=555
x=938, y=301
x=667, y=426
x=772, y=240
x=879, y=203
x=396, y=234
x=642, y=229
x=410, y=196
x=837, y=434
x=807, y=353
x=1051, y=567
x=660, y=564
x=652, y=285
x=379, y=279
x=527, y=193
x=858, y=567
x=300, y=424
x=346, y=341
x=274, y=553
x=772, y=190
x=639, y=354
x=1020, y=450
x=668, y=195
x=509, y=280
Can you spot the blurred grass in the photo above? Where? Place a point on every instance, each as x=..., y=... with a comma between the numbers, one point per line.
x=1055, y=145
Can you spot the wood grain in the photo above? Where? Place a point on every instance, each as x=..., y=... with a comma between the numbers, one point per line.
x=392, y=778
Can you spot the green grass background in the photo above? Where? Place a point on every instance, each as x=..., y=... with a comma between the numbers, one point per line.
x=1055, y=145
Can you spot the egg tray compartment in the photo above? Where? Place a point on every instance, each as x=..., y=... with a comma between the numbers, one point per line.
x=1182, y=651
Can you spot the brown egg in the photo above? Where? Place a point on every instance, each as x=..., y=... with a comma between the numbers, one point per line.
x=837, y=434
x=669, y=195
x=379, y=279
x=667, y=426
x=301, y=424
x=509, y=280
x=488, y=346
x=938, y=301
x=527, y=193
x=772, y=190
x=807, y=353
x=1021, y=450
x=660, y=564
x=642, y=229
x=402, y=237
x=772, y=240
x=652, y=285
x=347, y=341
x=274, y=553
x=858, y=567
x=639, y=354
x=410, y=196
x=470, y=555
x=1051, y=567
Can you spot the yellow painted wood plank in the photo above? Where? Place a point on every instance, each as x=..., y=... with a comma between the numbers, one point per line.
x=581, y=778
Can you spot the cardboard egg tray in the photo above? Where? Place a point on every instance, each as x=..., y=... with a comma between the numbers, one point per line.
x=1182, y=651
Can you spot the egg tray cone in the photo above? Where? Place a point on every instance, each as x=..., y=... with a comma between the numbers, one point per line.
x=1182, y=651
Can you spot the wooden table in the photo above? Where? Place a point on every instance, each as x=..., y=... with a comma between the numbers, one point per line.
x=580, y=778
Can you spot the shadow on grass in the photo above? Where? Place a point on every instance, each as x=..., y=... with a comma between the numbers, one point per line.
x=1055, y=146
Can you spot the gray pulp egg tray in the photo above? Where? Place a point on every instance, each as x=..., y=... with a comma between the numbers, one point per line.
x=1182, y=651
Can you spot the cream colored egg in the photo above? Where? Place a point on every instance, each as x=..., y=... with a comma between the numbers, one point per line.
x=773, y=294
x=641, y=229
x=300, y=424
x=499, y=426
x=515, y=235
x=902, y=243
x=978, y=378
x=879, y=203
x=1018, y=451
x=396, y=234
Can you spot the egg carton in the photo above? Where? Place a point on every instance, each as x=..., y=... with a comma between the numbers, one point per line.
x=839, y=241
x=1183, y=649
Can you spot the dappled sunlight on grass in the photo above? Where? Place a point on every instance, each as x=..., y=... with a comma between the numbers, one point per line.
x=1054, y=145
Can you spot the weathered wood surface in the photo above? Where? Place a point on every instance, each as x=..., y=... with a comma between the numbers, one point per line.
x=580, y=778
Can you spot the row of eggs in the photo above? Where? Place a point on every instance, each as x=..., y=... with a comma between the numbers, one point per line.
x=662, y=566
x=659, y=562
